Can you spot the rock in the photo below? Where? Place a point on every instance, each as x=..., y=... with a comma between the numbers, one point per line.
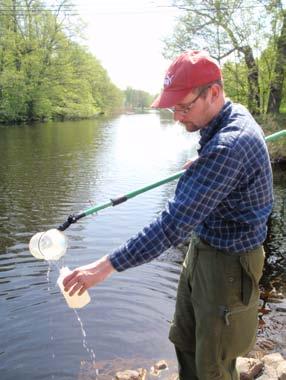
x=281, y=370
x=161, y=364
x=256, y=354
x=158, y=367
x=265, y=344
x=274, y=294
x=273, y=360
x=269, y=373
x=248, y=368
x=174, y=376
x=139, y=374
x=281, y=309
x=127, y=375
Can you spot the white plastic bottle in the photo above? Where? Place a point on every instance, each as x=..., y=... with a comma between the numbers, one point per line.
x=75, y=301
x=49, y=245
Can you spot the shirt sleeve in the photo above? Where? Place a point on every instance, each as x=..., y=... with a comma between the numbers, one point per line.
x=200, y=189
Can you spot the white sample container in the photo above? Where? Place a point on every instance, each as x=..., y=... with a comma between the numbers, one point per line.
x=75, y=301
x=49, y=245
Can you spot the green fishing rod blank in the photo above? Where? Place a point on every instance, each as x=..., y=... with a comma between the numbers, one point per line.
x=276, y=135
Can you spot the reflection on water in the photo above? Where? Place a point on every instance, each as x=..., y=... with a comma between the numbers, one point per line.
x=50, y=170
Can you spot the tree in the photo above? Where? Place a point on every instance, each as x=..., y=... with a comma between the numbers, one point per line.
x=137, y=98
x=235, y=81
x=44, y=73
x=223, y=27
x=278, y=14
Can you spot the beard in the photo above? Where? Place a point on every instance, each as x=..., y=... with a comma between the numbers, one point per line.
x=190, y=126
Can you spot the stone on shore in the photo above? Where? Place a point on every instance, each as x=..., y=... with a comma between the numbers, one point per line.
x=249, y=368
x=281, y=370
x=270, y=367
x=273, y=360
x=161, y=364
x=139, y=374
x=158, y=367
x=269, y=373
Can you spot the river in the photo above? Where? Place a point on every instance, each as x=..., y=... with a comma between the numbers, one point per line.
x=50, y=170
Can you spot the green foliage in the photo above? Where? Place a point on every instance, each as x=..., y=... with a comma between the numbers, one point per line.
x=137, y=99
x=266, y=74
x=43, y=73
x=236, y=84
x=248, y=38
x=235, y=81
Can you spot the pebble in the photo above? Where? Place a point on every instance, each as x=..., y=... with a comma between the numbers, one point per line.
x=249, y=368
x=139, y=374
x=281, y=309
x=158, y=367
x=269, y=373
x=273, y=360
x=161, y=364
x=281, y=370
x=269, y=367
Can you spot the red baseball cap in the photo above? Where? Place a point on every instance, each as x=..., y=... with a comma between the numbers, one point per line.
x=191, y=69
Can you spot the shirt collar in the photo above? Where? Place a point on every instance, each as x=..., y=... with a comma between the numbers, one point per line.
x=215, y=124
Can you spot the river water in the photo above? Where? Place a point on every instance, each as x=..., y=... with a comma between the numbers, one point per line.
x=48, y=171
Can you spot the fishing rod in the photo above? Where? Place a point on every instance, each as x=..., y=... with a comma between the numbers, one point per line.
x=52, y=244
x=123, y=198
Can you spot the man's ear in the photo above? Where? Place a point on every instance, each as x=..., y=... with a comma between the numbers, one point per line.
x=215, y=92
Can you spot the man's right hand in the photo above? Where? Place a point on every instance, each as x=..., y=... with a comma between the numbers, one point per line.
x=87, y=276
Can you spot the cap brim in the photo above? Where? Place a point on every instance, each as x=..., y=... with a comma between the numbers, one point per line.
x=169, y=99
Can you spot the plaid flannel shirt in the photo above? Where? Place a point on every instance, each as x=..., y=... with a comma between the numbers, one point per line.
x=225, y=196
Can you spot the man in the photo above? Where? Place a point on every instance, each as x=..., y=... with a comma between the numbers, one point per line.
x=224, y=198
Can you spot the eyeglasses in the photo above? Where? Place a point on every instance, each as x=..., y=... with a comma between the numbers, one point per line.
x=188, y=106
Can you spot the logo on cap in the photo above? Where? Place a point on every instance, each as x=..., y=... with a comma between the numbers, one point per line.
x=168, y=80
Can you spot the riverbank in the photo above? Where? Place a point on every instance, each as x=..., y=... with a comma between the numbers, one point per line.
x=266, y=361
x=271, y=123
